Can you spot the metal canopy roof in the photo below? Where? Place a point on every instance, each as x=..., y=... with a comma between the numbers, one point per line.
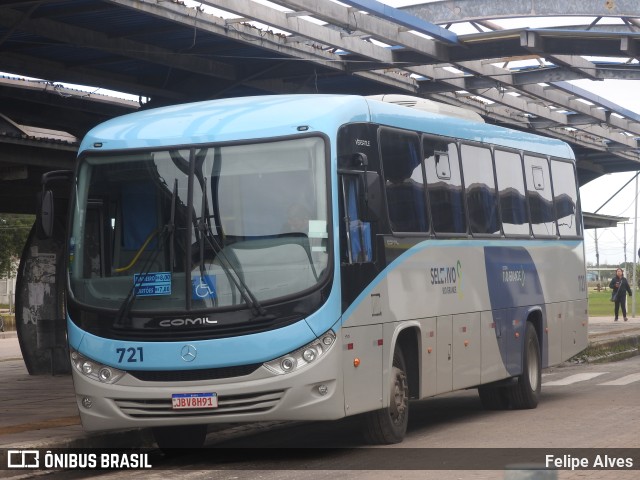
x=168, y=52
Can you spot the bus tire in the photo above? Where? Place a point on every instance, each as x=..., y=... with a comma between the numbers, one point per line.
x=183, y=436
x=389, y=425
x=526, y=392
x=494, y=398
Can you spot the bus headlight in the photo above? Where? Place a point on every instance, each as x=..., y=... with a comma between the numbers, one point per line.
x=94, y=370
x=304, y=356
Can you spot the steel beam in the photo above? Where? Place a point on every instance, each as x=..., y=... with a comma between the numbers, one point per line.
x=454, y=11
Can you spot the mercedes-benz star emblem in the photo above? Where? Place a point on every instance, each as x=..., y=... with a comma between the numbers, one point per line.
x=188, y=353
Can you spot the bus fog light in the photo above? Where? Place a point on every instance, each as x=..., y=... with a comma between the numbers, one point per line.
x=87, y=402
x=304, y=356
x=323, y=390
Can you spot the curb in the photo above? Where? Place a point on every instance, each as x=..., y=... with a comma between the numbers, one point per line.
x=610, y=351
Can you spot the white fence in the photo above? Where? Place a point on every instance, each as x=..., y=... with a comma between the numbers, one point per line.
x=8, y=292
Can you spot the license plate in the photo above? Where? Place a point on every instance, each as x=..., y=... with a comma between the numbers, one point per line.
x=194, y=400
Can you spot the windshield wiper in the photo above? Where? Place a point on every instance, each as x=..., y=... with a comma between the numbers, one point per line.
x=206, y=232
x=171, y=226
x=167, y=230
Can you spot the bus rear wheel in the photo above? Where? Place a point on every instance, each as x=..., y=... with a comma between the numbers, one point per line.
x=389, y=425
x=526, y=392
x=184, y=436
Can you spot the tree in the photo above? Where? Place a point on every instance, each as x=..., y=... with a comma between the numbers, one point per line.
x=14, y=230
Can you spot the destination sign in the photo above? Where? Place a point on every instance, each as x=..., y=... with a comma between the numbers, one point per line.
x=152, y=284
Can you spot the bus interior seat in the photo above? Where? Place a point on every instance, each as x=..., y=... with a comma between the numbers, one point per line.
x=137, y=200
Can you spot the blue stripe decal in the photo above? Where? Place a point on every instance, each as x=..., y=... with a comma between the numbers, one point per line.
x=514, y=285
x=512, y=277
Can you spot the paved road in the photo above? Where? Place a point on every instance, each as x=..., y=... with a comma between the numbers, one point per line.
x=9, y=346
x=582, y=406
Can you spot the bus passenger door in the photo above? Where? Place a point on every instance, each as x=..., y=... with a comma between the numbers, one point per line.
x=444, y=354
x=357, y=234
x=362, y=367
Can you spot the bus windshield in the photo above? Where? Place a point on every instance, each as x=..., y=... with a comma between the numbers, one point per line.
x=200, y=227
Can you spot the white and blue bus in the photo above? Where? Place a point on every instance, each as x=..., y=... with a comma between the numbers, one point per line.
x=311, y=257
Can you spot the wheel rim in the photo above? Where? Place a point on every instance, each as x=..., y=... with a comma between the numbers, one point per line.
x=534, y=367
x=399, y=396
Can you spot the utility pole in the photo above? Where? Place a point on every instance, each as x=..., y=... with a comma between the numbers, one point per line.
x=625, y=244
x=635, y=247
x=595, y=234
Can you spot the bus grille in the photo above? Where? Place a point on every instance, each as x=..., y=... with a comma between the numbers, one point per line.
x=227, y=405
x=194, y=375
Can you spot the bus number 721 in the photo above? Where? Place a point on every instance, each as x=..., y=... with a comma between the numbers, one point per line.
x=133, y=354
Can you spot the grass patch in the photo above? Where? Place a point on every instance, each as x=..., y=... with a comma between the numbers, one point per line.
x=599, y=304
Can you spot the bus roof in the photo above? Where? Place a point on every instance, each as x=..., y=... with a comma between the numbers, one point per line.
x=269, y=116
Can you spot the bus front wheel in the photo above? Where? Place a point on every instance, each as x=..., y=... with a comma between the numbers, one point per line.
x=389, y=424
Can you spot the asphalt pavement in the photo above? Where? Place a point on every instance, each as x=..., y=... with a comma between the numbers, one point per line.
x=40, y=411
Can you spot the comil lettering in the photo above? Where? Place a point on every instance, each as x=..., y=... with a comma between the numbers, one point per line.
x=187, y=322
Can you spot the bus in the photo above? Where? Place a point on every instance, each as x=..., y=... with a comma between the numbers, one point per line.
x=312, y=257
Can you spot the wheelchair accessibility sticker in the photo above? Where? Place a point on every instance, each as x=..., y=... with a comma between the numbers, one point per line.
x=203, y=287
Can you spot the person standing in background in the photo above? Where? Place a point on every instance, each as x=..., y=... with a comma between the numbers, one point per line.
x=620, y=288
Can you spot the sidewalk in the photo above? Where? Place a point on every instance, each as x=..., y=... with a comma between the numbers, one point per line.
x=40, y=411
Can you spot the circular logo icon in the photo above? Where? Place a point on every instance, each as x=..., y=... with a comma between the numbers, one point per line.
x=188, y=353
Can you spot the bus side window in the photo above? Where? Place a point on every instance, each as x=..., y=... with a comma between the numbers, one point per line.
x=539, y=196
x=404, y=181
x=565, y=198
x=358, y=232
x=512, y=194
x=444, y=186
x=480, y=186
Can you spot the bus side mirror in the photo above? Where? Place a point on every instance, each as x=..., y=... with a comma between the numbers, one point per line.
x=45, y=214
